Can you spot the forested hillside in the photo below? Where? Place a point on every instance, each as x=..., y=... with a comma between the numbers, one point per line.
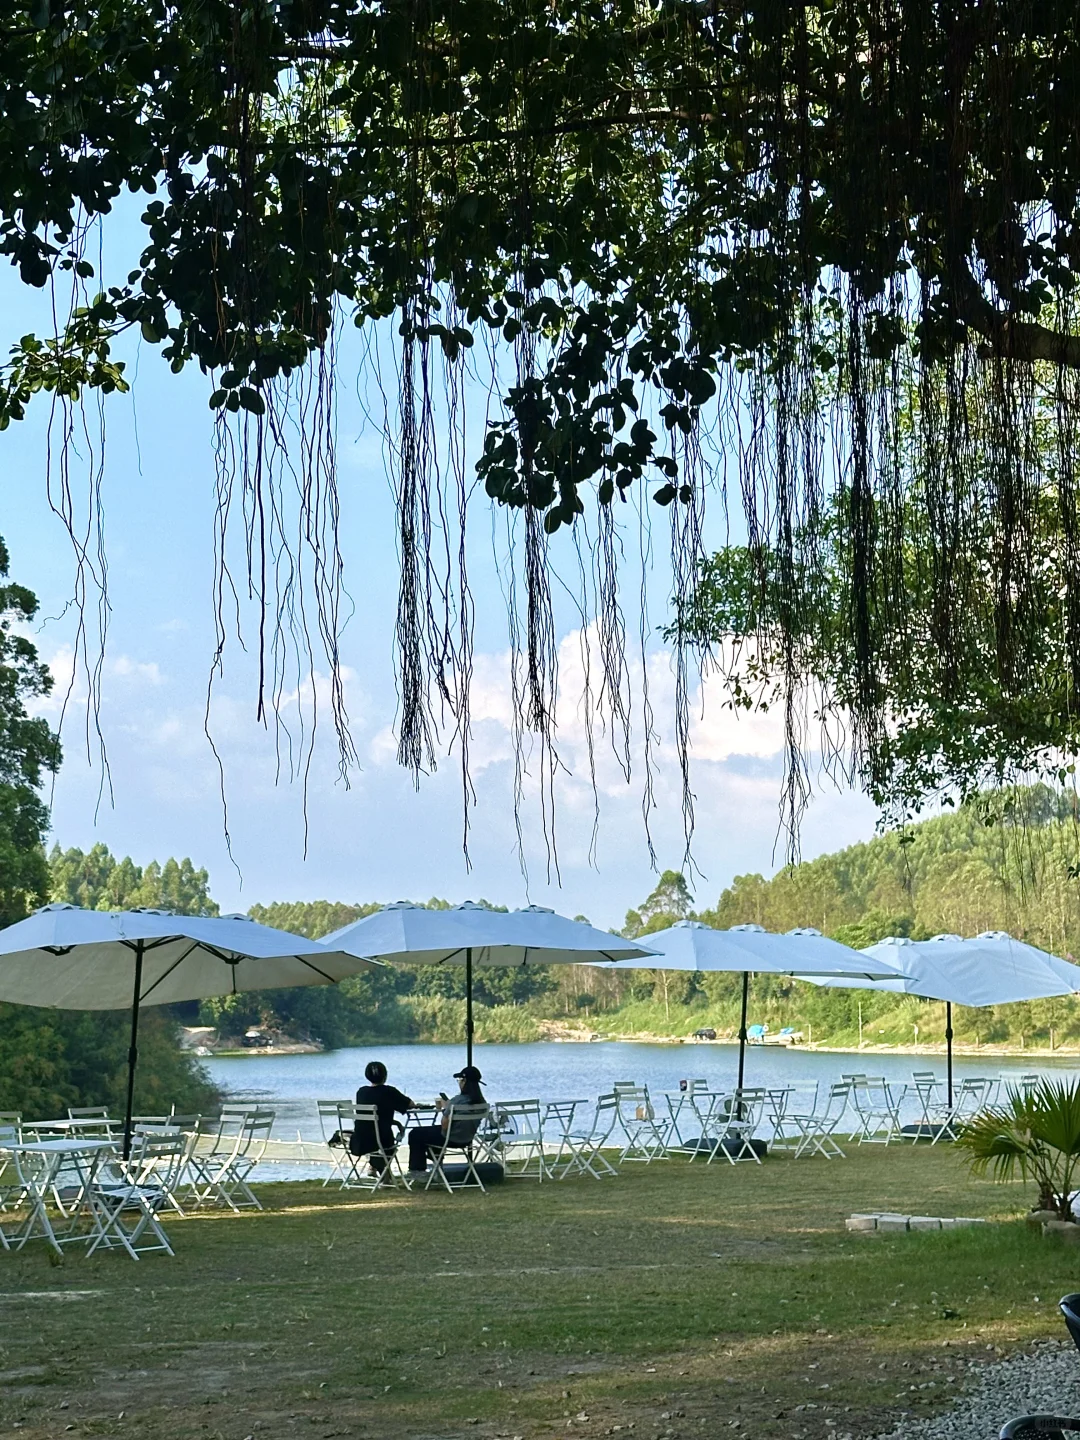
x=1007, y=863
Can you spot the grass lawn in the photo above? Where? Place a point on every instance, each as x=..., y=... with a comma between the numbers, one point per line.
x=675, y=1300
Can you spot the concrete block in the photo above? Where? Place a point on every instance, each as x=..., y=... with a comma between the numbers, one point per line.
x=1067, y=1230
x=1038, y=1218
x=862, y=1222
x=924, y=1222
x=891, y=1224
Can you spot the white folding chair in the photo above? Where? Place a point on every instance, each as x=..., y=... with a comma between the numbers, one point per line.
x=924, y=1086
x=380, y=1166
x=876, y=1104
x=91, y=1121
x=819, y=1126
x=728, y=1126
x=185, y=1128
x=646, y=1136
x=777, y=1104
x=459, y=1138
x=580, y=1151
x=220, y=1174
x=517, y=1139
x=972, y=1096
x=12, y=1191
x=125, y=1209
x=335, y=1140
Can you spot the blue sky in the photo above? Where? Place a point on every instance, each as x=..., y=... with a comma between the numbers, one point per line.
x=378, y=838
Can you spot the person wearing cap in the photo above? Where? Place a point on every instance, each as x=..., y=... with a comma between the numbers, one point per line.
x=388, y=1102
x=423, y=1138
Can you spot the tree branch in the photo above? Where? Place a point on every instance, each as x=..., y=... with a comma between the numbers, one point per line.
x=1007, y=338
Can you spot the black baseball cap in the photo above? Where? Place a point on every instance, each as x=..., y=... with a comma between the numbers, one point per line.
x=469, y=1072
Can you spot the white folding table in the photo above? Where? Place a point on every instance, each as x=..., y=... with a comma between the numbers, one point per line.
x=39, y=1165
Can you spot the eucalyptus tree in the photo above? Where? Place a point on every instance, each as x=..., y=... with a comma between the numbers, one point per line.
x=822, y=256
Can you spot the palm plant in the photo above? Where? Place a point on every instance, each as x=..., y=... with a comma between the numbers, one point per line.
x=1034, y=1135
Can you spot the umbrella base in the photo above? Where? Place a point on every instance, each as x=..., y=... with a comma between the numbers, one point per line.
x=923, y=1132
x=729, y=1146
x=490, y=1174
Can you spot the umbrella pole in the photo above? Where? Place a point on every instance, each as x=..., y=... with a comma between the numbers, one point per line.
x=133, y=1051
x=948, y=1048
x=742, y=1034
x=468, y=1006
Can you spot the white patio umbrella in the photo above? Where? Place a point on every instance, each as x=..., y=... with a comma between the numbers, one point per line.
x=745, y=949
x=66, y=958
x=472, y=935
x=990, y=969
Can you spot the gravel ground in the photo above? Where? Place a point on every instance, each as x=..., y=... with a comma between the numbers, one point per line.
x=1042, y=1381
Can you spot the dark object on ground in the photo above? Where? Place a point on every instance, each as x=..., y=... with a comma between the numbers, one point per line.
x=490, y=1174
x=1038, y=1427
x=1070, y=1308
x=1049, y=1427
x=924, y=1132
x=705, y=1033
x=731, y=1146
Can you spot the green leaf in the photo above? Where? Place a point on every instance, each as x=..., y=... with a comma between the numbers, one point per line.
x=252, y=401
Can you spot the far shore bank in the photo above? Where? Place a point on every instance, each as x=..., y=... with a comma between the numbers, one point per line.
x=565, y=1034
x=1060, y=1052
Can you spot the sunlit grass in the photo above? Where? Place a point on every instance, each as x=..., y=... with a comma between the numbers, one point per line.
x=703, y=1288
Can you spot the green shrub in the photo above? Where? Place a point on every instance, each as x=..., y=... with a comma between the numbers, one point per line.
x=1032, y=1136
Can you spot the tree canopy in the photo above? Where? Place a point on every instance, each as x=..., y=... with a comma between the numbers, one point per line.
x=670, y=900
x=97, y=880
x=29, y=753
x=823, y=253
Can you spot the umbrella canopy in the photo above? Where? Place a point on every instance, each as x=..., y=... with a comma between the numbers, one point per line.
x=990, y=969
x=692, y=945
x=66, y=958
x=534, y=936
x=473, y=935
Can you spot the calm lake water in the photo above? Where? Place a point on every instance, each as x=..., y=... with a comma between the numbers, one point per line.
x=291, y=1084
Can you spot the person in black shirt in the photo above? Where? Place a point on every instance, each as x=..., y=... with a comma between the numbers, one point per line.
x=388, y=1101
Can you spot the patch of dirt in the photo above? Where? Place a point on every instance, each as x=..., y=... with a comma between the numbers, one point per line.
x=798, y=1388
